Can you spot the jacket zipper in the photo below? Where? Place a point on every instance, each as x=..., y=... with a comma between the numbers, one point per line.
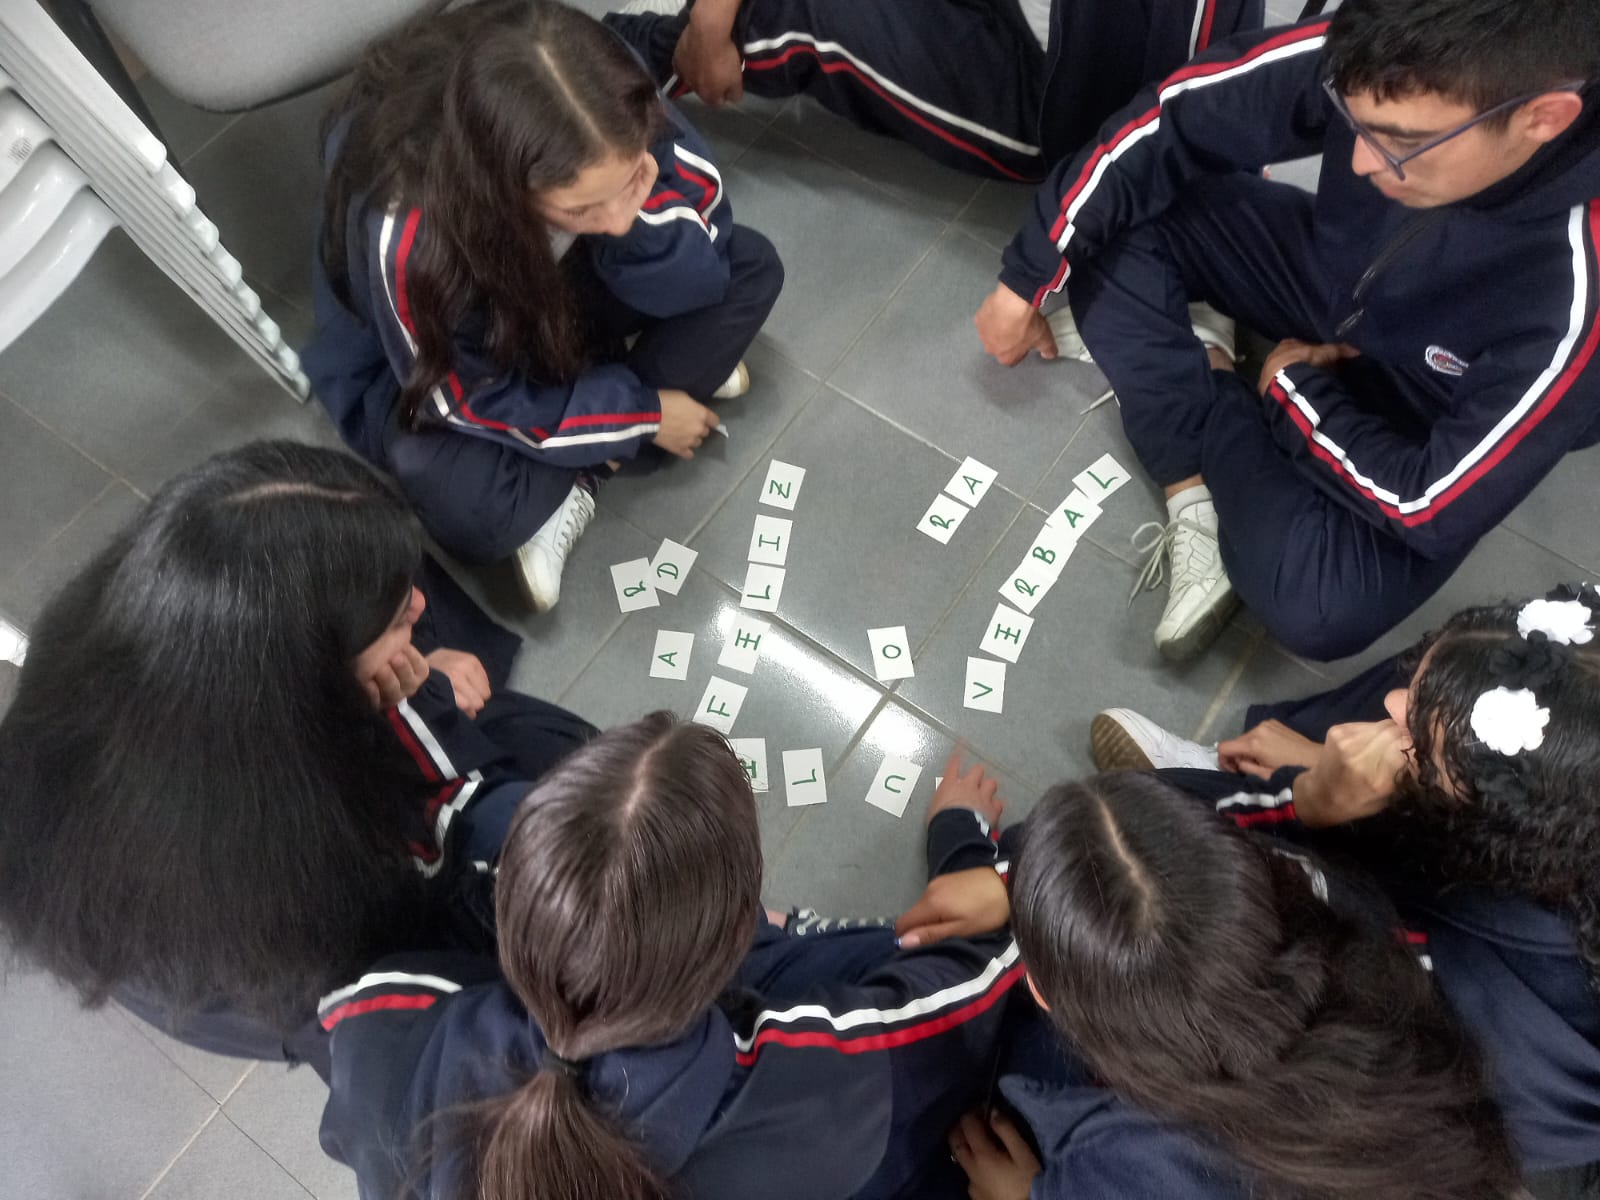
x=1391, y=250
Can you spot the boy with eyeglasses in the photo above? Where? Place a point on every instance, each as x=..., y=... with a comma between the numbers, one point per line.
x=1434, y=305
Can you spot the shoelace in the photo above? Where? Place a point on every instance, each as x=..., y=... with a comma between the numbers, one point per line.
x=578, y=517
x=1159, y=548
x=1106, y=397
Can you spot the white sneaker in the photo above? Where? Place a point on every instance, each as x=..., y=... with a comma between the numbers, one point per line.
x=1121, y=740
x=542, y=558
x=1210, y=326
x=1213, y=329
x=1199, y=599
x=737, y=385
x=13, y=643
x=661, y=8
x=1069, y=343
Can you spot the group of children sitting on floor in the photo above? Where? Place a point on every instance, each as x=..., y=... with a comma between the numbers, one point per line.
x=267, y=789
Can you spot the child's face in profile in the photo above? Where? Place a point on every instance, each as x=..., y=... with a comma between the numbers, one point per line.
x=604, y=198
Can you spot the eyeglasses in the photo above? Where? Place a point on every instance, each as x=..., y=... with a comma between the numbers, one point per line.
x=1396, y=162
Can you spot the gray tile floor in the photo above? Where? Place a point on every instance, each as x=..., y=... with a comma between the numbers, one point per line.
x=869, y=376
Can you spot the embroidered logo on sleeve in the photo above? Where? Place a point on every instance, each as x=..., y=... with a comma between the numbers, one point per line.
x=1442, y=361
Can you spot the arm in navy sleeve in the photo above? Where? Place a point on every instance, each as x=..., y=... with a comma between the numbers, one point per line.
x=607, y=412
x=675, y=257
x=1249, y=101
x=1515, y=413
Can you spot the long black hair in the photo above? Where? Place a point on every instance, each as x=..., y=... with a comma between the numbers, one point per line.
x=1201, y=977
x=199, y=799
x=468, y=115
x=628, y=893
x=1529, y=822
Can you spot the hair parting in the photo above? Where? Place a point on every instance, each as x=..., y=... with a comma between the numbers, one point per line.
x=1200, y=976
x=466, y=116
x=628, y=894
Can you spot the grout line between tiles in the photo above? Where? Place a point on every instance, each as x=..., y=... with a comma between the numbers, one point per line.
x=773, y=129
x=861, y=732
x=73, y=445
x=914, y=435
x=721, y=502
x=182, y=1150
x=1225, y=692
x=961, y=592
x=239, y=1082
x=17, y=570
x=270, y=1156
x=561, y=698
x=888, y=300
x=192, y=155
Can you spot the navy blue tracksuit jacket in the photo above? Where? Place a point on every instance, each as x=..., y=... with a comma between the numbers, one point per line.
x=1481, y=314
x=1507, y=966
x=1091, y=1142
x=816, y=1076
x=673, y=260
x=470, y=774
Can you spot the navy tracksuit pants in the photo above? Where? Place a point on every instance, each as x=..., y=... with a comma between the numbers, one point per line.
x=890, y=69
x=1324, y=580
x=964, y=81
x=483, y=498
x=1358, y=699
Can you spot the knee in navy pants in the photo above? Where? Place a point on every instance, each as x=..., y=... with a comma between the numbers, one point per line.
x=696, y=351
x=479, y=499
x=533, y=733
x=1324, y=580
x=482, y=499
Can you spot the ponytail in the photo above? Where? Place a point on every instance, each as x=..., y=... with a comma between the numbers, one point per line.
x=628, y=893
x=548, y=1140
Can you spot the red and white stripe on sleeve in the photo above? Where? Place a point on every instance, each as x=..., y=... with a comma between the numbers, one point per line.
x=868, y=1030
x=1291, y=43
x=383, y=991
x=1572, y=355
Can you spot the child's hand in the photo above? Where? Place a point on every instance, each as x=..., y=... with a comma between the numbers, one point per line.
x=685, y=423
x=961, y=904
x=467, y=678
x=708, y=62
x=1286, y=353
x=396, y=680
x=1264, y=749
x=1354, y=776
x=1009, y=327
x=998, y=1161
x=973, y=789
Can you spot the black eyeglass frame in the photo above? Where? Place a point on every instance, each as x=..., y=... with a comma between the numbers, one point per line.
x=1396, y=162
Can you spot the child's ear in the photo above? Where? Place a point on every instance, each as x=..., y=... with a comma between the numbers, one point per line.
x=1034, y=988
x=1548, y=116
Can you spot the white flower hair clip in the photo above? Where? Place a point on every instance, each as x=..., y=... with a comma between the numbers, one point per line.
x=1563, y=621
x=1509, y=721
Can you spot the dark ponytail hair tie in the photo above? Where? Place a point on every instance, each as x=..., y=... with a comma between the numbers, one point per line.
x=571, y=1068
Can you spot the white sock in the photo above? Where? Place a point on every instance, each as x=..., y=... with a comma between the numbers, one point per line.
x=1193, y=504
